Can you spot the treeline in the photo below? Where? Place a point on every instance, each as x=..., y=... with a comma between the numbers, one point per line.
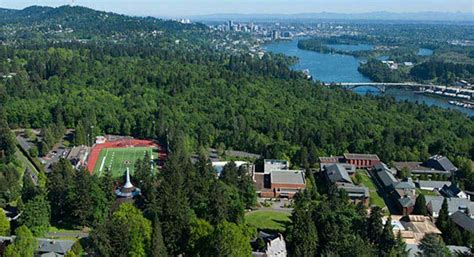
x=443, y=72
x=380, y=72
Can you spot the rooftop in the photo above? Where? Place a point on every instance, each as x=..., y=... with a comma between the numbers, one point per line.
x=386, y=177
x=432, y=184
x=271, y=164
x=357, y=156
x=454, y=204
x=287, y=177
x=463, y=220
x=440, y=162
x=339, y=172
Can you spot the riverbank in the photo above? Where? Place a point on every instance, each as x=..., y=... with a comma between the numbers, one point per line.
x=334, y=68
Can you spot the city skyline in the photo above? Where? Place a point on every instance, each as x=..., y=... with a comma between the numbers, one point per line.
x=169, y=8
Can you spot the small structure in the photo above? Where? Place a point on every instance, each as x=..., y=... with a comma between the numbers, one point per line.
x=453, y=191
x=274, y=245
x=434, y=203
x=100, y=140
x=431, y=185
x=128, y=191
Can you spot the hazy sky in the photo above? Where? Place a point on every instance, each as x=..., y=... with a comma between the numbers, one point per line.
x=193, y=7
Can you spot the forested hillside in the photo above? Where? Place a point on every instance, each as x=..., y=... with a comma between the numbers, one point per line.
x=177, y=86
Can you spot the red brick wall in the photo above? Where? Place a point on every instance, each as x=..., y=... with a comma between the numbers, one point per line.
x=292, y=186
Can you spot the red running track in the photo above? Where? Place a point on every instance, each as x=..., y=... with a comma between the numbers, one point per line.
x=123, y=143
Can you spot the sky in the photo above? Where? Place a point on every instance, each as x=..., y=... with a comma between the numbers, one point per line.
x=183, y=8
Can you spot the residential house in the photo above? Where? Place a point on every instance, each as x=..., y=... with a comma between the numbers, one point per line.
x=453, y=191
x=46, y=247
x=434, y=203
x=274, y=245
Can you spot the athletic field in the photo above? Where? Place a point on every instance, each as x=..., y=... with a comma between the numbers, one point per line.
x=118, y=159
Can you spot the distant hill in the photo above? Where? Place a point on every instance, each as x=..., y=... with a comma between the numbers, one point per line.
x=389, y=16
x=87, y=21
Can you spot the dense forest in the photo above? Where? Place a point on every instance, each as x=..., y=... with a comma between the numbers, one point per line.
x=176, y=87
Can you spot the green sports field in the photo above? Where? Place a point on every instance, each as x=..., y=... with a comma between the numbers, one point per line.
x=118, y=159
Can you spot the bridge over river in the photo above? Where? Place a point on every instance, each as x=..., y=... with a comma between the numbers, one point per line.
x=383, y=86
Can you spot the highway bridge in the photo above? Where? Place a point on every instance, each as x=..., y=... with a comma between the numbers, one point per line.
x=382, y=86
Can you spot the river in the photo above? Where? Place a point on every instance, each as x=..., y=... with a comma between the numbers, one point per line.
x=343, y=68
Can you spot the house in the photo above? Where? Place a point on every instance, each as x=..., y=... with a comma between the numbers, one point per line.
x=361, y=161
x=340, y=175
x=434, y=203
x=453, y=191
x=463, y=221
x=274, y=245
x=46, y=247
x=431, y=185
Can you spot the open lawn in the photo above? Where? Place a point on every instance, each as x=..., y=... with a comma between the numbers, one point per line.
x=268, y=220
x=426, y=192
x=375, y=198
x=118, y=159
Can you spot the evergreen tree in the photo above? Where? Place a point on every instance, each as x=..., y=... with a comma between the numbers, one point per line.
x=443, y=216
x=217, y=204
x=80, y=135
x=174, y=212
x=302, y=236
x=420, y=205
x=158, y=247
x=246, y=188
x=107, y=185
x=29, y=190
x=374, y=225
x=400, y=247
x=433, y=246
x=36, y=215
x=229, y=174
x=7, y=141
x=387, y=241
x=61, y=192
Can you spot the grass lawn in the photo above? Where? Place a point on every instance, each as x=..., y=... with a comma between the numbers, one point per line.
x=375, y=198
x=118, y=159
x=268, y=220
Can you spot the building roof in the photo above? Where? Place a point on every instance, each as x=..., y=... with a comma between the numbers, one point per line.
x=295, y=177
x=331, y=159
x=54, y=245
x=408, y=184
x=418, y=168
x=454, y=204
x=270, y=164
x=450, y=191
x=355, y=191
x=463, y=220
x=356, y=156
x=387, y=178
x=439, y=162
x=406, y=202
x=432, y=184
x=339, y=172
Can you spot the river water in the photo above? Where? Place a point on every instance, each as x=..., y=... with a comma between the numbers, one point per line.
x=343, y=68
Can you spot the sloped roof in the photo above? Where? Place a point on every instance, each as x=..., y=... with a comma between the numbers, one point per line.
x=405, y=185
x=337, y=173
x=433, y=184
x=454, y=204
x=406, y=202
x=387, y=178
x=356, y=156
x=55, y=246
x=440, y=163
x=450, y=191
x=463, y=220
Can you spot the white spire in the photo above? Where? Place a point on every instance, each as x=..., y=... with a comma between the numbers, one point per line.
x=128, y=184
